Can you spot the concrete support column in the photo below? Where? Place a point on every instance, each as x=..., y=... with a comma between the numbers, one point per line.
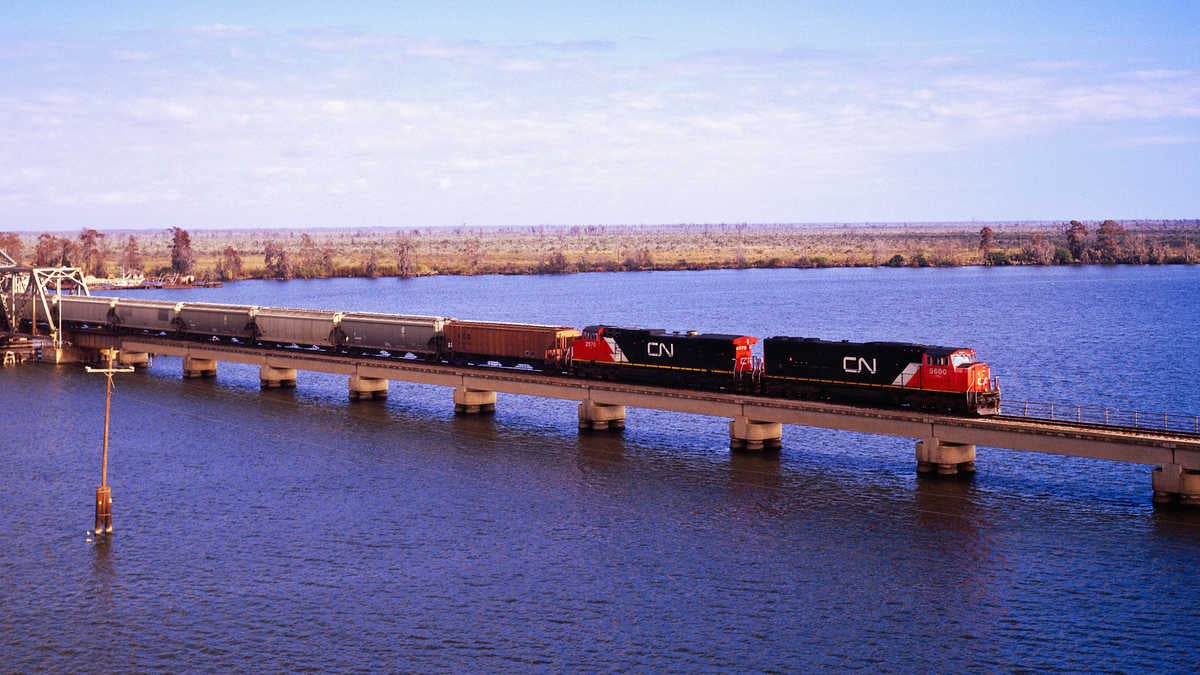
x=270, y=377
x=601, y=417
x=746, y=434
x=194, y=367
x=1174, y=484
x=135, y=359
x=473, y=401
x=938, y=458
x=365, y=388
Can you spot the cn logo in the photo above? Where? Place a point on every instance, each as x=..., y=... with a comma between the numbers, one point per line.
x=857, y=364
x=659, y=350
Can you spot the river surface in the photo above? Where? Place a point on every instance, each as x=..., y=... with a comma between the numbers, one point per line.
x=296, y=531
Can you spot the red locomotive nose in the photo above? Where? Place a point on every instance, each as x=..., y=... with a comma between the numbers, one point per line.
x=981, y=377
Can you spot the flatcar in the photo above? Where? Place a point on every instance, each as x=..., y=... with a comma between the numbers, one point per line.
x=656, y=356
x=879, y=373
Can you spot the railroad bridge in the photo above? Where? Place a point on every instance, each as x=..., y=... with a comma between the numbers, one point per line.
x=945, y=444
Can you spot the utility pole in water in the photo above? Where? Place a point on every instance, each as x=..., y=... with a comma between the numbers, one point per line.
x=104, y=493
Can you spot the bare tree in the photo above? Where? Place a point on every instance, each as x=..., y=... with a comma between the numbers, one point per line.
x=1077, y=239
x=131, y=257
x=229, y=267
x=52, y=251
x=183, y=259
x=327, y=267
x=91, y=253
x=987, y=241
x=10, y=243
x=1111, y=239
x=275, y=260
x=309, y=258
x=556, y=264
x=371, y=266
x=1039, y=250
x=405, y=265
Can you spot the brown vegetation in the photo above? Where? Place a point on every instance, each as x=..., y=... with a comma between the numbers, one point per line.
x=235, y=254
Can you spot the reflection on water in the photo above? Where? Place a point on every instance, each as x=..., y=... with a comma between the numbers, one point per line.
x=293, y=530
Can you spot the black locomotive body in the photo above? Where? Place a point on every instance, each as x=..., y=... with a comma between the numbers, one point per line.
x=655, y=356
x=878, y=373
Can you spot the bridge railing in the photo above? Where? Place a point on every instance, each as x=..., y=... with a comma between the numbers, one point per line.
x=1062, y=412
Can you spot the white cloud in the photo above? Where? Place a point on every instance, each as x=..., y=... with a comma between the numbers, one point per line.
x=132, y=55
x=1141, y=141
x=393, y=119
x=158, y=110
x=221, y=30
x=335, y=107
x=130, y=198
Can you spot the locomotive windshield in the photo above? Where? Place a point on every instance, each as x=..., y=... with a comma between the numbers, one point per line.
x=960, y=359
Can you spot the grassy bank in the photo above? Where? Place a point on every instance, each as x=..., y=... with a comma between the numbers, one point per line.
x=232, y=254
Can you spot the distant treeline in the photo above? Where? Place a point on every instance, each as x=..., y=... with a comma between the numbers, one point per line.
x=545, y=249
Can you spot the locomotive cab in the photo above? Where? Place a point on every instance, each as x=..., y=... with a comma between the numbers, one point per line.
x=958, y=370
x=954, y=370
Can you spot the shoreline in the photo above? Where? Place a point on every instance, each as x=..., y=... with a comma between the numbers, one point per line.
x=228, y=255
x=215, y=284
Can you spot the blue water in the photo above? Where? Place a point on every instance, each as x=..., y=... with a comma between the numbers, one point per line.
x=293, y=530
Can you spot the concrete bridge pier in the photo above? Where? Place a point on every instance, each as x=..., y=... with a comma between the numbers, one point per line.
x=601, y=417
x=938, y=458
x=473, y=401
x=199, y=368
x=135, y=359
x=1176, y=484
x=747, y=434
x=270, y=377
x=364, y=388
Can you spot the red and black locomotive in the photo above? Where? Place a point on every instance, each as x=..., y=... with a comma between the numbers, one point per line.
x=892, y=374
x=656, y=356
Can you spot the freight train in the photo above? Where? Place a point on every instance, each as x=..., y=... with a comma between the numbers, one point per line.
x=890, y=374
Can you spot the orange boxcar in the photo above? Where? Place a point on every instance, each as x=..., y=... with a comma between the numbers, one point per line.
x=509, y=343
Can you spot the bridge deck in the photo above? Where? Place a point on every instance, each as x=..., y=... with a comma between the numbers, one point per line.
x=1063, y=438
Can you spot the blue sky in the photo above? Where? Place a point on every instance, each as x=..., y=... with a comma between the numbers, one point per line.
x=396, y=114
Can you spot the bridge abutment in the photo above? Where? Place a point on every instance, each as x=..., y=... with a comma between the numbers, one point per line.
x=367, y=388
x=194, y=368
x=752, y=436
x=938, y=458
x=473, y=401
x=1175, y=484
x=601, y=417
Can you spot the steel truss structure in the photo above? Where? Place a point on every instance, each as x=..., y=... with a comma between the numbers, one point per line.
x=25, y=295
